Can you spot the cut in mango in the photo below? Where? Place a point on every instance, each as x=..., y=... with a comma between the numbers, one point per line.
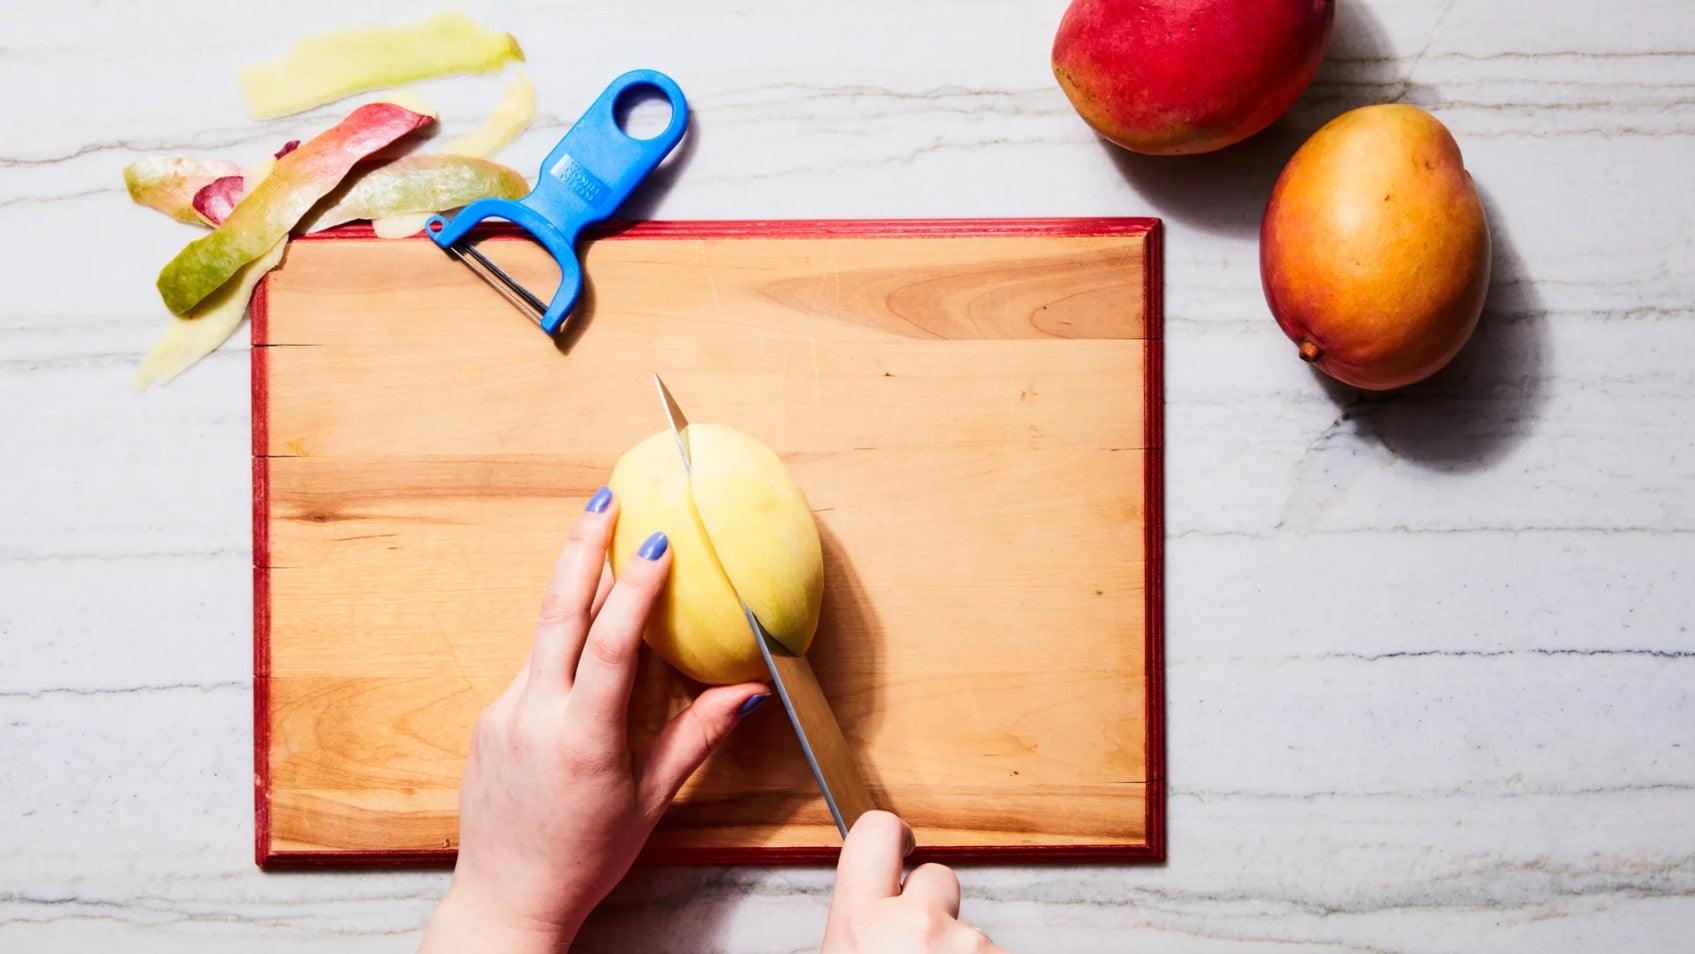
x=741, y=518
x=761, y=529
x=328, y=67
x=275, y=205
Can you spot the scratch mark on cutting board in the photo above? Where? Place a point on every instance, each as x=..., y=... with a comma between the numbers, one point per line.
x=711, y=285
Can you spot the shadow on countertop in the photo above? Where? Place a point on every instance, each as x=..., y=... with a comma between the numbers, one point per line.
x=1474, y=411
x=1471, y=413
x=1225, y=192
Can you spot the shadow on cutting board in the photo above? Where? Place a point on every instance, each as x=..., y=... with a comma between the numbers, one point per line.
x=759, y=781
x=696, y=900
x=638, y=207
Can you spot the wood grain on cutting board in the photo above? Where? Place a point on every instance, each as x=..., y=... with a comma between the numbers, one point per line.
x=971, y=406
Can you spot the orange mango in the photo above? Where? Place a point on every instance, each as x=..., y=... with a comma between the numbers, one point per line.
x=1374, y=250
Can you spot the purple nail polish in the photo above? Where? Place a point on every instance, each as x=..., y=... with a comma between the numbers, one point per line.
x=751, y=703
x=654, y=547
x=600, y=501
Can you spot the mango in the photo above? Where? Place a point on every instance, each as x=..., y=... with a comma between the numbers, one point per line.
x=1174, y=77
x=738, y=524
x=1374, y=250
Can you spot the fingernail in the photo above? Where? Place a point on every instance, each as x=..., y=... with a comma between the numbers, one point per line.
x=600, y=501
x=751, y=703
x=907, y=842
x=654, y=547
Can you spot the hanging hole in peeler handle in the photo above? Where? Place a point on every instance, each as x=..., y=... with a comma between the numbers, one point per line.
x=648, y=107
x=643, y=111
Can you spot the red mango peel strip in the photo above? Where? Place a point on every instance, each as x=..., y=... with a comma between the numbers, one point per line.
x=218, y=198
x=417, y=184
x=264, y=216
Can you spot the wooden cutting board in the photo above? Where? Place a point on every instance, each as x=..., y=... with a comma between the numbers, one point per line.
x=973, y=409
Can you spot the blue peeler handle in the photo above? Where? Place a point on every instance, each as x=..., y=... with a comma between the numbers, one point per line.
x=592, y=170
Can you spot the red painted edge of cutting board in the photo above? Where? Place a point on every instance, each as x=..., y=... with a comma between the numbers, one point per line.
x=804, y=228
x=1153, y=519
x=261, y=578
x=1153, y=530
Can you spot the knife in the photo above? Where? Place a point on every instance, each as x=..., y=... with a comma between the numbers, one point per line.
x=820, y=736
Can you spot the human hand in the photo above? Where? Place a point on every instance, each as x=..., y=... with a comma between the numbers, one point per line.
x=871, y=912
x=553, y=806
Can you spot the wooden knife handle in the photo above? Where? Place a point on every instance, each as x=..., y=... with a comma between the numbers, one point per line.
x=835, y=759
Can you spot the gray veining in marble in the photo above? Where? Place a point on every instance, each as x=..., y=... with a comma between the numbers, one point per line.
x=1431, y=675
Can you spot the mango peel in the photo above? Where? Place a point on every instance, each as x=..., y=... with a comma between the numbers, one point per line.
x=217, y=199
x=170, y=183
x=324, y=68
x=273, y=207
x=199, y=333
x=416, y=184
x=738, y=524
x=514, y=113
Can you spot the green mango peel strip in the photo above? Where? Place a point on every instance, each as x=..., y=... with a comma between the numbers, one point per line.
x=200, y=332
x=273, y=207
x=512, y=115
x=416, y=184
x=324, y=68
x=404, y=185
x=169, y=183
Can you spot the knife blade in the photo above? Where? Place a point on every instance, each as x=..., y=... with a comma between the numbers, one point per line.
x=820, y=735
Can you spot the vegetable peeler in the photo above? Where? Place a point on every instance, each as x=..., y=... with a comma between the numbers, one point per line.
x=592, y=170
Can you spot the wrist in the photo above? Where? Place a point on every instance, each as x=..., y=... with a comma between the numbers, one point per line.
x=466, y=921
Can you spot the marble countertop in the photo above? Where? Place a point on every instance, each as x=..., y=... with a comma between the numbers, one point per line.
x=1431, y=673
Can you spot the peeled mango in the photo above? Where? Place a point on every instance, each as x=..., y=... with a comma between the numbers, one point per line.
x=738, y=524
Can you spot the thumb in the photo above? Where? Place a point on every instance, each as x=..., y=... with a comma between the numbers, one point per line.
x=690, y=737
x=869, y=868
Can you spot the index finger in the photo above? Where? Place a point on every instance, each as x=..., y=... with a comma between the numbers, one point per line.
x=567, y=608
x=870, y=866
x=607, y=670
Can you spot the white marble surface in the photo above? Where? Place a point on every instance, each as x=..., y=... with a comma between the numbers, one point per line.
x=1431, y=674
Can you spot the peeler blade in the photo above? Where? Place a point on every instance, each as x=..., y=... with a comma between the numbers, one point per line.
x=496, y=278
